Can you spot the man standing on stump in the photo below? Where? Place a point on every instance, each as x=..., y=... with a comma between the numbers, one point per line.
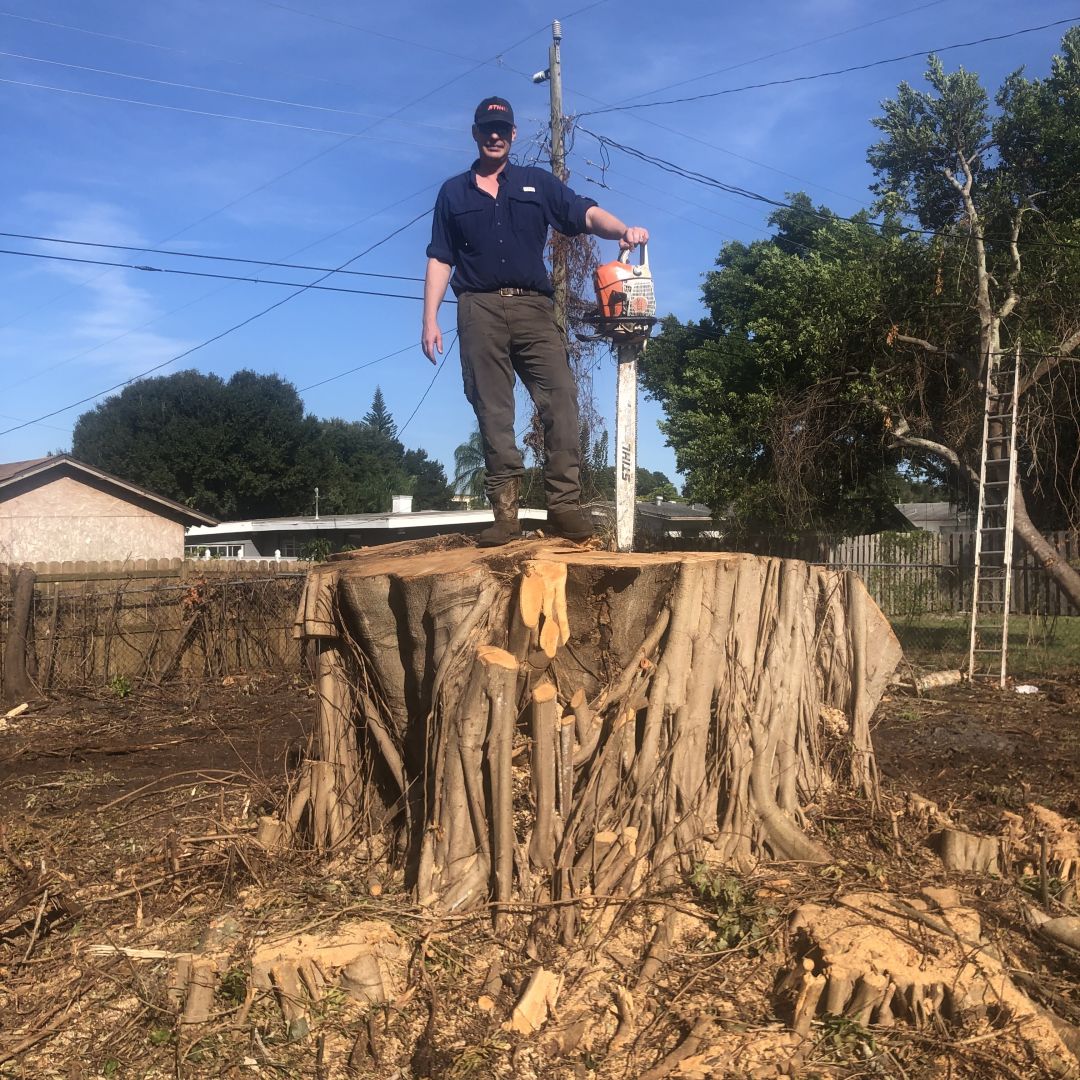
x=490, y=228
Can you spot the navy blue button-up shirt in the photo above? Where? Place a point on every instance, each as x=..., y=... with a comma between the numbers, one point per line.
x=499, y=243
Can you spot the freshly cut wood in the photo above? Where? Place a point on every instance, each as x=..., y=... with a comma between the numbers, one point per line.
x=548, y=723
x=937, y=679
x=366, y=960
x=921, y=961
x=1063, y=930
x=536, y=1003
x=201, y=986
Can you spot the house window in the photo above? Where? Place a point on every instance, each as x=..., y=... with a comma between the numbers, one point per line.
x=292, y=546
x=214, y=551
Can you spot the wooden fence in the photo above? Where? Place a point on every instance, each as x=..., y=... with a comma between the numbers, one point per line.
x=917, y=573
x=197, y=619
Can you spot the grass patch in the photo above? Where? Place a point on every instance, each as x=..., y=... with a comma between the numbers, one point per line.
x=1038, y=644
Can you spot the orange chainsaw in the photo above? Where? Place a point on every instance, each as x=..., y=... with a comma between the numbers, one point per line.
x=625, y=298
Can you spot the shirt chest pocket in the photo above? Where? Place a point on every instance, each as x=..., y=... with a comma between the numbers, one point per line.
x=527, y=213
x=471, y=228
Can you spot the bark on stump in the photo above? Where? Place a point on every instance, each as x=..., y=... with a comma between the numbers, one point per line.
x=538, y=722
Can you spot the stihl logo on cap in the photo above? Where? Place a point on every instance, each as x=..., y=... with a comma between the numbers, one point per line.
x=496, y=107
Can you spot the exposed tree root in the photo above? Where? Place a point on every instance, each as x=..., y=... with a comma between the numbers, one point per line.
x=879, y=960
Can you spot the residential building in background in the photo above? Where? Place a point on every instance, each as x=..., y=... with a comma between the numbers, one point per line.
x=59, y=509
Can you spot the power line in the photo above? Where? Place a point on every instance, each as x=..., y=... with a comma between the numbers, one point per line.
x=783, y=52
x=424, y=395
x=205, y=296
x=216, y=337
x=837, y=71
x=746, y=193
x=229, y=116
x=359, y=367
x=307, y=161
x=196, y=255
x=207, y=274
x=605, y=169
x=213, y=292
x=202, y=56
x=378, y=33
x=215, y=90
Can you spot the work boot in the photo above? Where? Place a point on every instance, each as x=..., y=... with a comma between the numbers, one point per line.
x=570, y=523
x=504, y=502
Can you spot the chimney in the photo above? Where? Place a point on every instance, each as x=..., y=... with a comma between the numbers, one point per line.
x=659, y=499
x=402, y=504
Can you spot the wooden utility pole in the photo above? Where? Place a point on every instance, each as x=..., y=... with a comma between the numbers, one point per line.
x=558, y=168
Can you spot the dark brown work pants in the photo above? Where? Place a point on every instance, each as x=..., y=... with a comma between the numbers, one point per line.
x=498, y=336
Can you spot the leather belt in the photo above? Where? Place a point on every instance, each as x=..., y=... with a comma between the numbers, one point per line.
x=518, y=292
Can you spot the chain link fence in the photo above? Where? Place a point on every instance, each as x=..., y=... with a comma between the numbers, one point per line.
x=924, y=583
x=130, y=631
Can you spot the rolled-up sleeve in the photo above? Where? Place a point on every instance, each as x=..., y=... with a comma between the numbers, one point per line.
x=440, y=247
x=565, y=208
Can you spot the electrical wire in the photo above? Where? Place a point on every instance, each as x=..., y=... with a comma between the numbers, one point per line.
x=376, y=33
x=746, y=193
x=216, y=337
x=207, y=274
x=423, y=396
x=605, y=169
x=837, y=71
x=232, y=116
x=782, y=52
x=205, y=296
x=215, y=90
x=202, y=57
x=353, y=370
x=307, y=161
x=216, y=292
x=196, y=255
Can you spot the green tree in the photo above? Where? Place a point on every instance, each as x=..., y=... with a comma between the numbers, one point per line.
x=245, y=448
x=429, y=488
x=469, y=468
x=838, y=357
x=378, y=416
x=227, y=448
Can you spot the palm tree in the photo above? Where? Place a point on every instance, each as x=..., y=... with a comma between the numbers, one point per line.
x=469, y=468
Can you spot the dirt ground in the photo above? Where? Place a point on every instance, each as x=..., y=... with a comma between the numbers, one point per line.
x=127, y=840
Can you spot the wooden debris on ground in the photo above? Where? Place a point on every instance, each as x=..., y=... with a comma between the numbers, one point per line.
x=365, y=959
x=920, y=961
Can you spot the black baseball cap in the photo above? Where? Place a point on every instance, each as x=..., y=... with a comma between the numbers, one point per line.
x=493, y=110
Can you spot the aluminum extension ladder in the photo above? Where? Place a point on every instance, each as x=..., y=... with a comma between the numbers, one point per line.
x=992, y=588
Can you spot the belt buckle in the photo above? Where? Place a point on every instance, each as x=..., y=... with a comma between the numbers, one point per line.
x=508, y=291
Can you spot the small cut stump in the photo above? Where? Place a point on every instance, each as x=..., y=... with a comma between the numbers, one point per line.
x=540, y=722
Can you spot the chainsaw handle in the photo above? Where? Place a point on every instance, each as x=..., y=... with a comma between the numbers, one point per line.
x=643, y=255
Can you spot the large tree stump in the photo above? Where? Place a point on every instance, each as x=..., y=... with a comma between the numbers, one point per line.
x=538, y=721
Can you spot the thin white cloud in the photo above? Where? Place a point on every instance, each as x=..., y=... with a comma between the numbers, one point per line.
x=101, y=322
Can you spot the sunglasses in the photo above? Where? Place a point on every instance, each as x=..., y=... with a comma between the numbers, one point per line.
x=503, y=130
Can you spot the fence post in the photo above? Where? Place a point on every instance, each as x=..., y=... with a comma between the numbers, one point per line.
x=17, y=684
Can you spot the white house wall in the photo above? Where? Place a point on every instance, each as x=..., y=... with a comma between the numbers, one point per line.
x=65, y=519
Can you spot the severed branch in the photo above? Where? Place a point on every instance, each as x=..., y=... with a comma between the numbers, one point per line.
x=899, y=436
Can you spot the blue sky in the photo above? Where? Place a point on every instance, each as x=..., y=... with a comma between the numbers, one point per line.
x=149, y=149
